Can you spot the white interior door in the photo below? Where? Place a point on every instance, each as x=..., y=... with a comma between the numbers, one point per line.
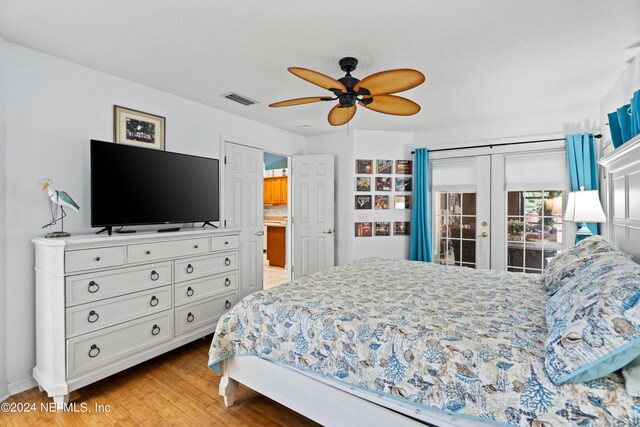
x=313, y=214
x=244, y=210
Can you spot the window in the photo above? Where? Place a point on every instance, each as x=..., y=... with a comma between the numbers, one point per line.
x=455, y=228
x=534, y=229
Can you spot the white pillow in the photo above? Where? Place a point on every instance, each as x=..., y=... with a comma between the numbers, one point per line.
x=631, y=374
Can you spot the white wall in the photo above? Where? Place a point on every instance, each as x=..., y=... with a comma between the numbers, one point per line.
x=3, y=204
x=56, y=107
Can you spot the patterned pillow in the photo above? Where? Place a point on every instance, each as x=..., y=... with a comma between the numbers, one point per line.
x=591, y=245
x=594, y=321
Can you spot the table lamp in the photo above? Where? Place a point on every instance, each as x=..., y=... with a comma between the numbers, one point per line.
x=583, y=207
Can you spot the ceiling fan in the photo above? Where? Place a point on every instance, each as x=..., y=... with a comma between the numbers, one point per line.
x=372, y=92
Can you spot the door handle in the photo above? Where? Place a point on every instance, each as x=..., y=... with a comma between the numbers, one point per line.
x=260, y=233
x=329, y=231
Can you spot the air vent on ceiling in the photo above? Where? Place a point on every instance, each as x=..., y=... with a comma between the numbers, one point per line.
x=240, y=99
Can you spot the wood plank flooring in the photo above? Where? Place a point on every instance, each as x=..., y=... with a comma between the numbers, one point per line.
x=175, y=389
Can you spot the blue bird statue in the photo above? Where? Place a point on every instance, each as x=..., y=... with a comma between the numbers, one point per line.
x=58, y=199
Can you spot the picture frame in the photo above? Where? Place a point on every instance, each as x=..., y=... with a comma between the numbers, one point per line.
x=381, y=201
x=364, y=166
x=137, y=128
x=404, y=167
x=363, y=201
x=402, y=201
x=363, y=183
x=363, y=229
x=404, y=183
x=382, y=228
x=402, y=228
x=383, y=183
x=384, y=167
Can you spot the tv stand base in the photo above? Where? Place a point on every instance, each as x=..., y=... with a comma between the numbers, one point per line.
x=108, y=229
x=208, y=223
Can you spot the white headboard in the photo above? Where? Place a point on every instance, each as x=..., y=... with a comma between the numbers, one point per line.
x=622, y=177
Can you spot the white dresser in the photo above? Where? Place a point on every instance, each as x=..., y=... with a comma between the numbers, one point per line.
x=106, y=303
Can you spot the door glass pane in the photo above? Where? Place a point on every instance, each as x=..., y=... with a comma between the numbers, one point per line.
x=454, y=232
x=534, y=229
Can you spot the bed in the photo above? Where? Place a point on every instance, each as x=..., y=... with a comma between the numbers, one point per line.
x=411, y=341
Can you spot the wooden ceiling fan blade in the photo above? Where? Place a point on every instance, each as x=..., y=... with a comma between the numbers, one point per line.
x=339, y=116
x=299, y=101
x=391, y=81
x=390, y=104
x=317, y=78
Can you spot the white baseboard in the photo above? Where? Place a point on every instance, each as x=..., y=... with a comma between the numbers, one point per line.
x=21, y=385
x=4, y=394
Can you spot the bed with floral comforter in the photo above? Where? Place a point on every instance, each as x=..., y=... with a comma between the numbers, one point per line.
x=457, y=340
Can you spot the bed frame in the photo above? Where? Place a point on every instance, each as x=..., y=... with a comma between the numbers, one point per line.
x=326, y=402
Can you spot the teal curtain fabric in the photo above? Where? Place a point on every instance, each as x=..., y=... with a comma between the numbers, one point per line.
x=624, y=123
x=421, y=214
x=583, y=169
x=614, y=128
x=635, y=114
x=624, y=118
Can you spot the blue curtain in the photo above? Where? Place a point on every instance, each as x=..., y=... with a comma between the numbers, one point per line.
x=624, y=123
x=421, y=213
x=583, y=170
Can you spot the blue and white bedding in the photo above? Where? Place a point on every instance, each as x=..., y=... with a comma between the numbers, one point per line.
x=469, y=342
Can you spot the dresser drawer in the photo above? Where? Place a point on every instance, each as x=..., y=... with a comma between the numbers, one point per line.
x=90, y=317
x=187, y=269
x=106, y=284
x=220, y=243
x=89, y=259
x=163, y=250
x=195, y=290
x=199, y=314
x=90, y=351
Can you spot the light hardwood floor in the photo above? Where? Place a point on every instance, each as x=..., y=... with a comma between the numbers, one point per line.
x=176, y=388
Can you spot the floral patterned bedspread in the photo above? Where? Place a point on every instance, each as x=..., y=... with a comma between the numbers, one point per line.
x=463, y=341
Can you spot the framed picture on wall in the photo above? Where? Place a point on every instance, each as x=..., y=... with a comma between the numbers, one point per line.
x=384, y=167
x=363, y=183
x=382, y=228
x=133, y=127
x=383, y=183
x=402, y=202
x=363, y=229
x=404, y=167
x=401, y=228
x=363, y=202
x=404, y=183
x=381, y=202
x=364, y=166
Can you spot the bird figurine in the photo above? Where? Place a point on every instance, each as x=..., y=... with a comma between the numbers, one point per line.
x=58, y=199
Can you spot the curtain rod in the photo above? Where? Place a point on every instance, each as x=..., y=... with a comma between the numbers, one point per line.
x=501, y=144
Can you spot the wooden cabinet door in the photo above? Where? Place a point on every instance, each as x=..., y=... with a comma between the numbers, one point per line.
x=275, y=191
x=283, y=190
x=267, y=192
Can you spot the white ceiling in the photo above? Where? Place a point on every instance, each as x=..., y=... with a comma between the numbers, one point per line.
x=484, y=60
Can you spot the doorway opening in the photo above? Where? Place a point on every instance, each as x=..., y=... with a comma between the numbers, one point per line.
x=275, y=258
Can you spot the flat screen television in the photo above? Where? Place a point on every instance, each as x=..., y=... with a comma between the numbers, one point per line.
x=138, y=186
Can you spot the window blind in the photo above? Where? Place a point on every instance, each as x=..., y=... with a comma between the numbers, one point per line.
x=457, y=175
x=536, y=171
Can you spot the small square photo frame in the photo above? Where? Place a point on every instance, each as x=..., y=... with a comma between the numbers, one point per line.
x=401, y=228
x=363, y=229
x=364, y=166
x=383, y=228
x=381, y=201
x=383, y=183
x=404, y=167
x=137, y=128
x=404, y=183
x=402, y=201
x=363, y=183
x=384, y=167
x=363, y=201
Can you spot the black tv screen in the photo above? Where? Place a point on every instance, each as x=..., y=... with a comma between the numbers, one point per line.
x=136, y=186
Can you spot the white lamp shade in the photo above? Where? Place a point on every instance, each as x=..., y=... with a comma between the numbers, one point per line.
x=584, y=206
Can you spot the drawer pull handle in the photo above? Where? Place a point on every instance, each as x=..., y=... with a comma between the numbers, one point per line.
x=227, y=262
x=227, y=282
x=190, y=291
x=226, y=242
x=154, y=275
x=155, y=330
x=93, y=287
x=94, y=351
x=97, y=258
x=189, y=269
x=195, y=246
x=154, y=301
x=148, y=252
x=93, y=317
x=190, y=317
x=227, y=304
